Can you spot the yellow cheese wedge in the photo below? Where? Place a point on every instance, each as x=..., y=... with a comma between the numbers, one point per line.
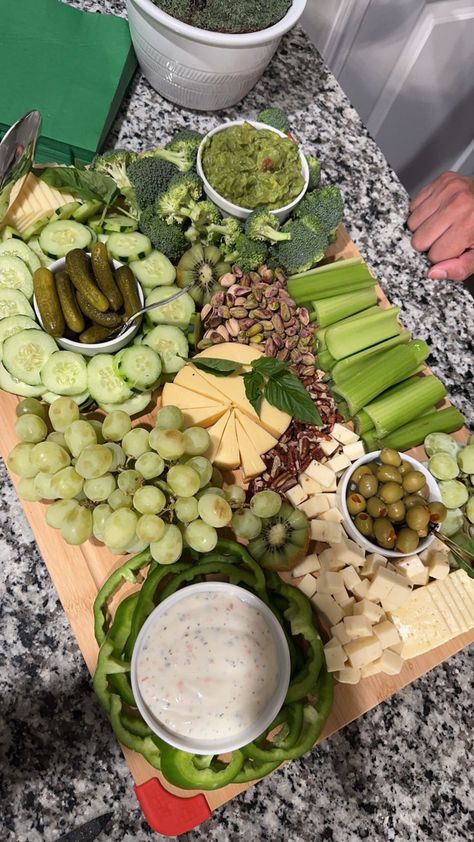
x=227, y=456
x=184, y=398
x=262, y=440
x=202, y=416
x=216, y=432
x=244, y=354
x=190, y=378
x=32, y=201
x=252, y=464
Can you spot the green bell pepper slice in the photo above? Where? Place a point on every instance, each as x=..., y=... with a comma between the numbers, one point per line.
x=128, y=572
x=182, y=769
x=144, y=745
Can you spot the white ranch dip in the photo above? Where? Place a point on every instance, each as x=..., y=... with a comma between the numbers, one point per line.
x=208, y=666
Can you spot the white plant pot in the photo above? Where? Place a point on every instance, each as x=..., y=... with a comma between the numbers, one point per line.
x=197, y=68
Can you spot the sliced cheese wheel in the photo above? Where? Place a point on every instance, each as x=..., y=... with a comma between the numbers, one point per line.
x=228, y=456
x=262, y=440
x=184, y=398
x=216, y=433
x=444, y=605
x=244, y=354
x=457, y=606
x=252, y=464
x=190, y=378
x=202, y=416
x=34, y=200
x=461, y=582
x=420, y=624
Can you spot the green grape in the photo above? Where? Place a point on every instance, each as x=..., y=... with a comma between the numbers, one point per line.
x=66, y=483
x=168, y=443
x=203, y=467
x=94, y=461
x=19, y=460
x=169, y=418
x=97, y=425
x=135, y=443
x=78, y=435
x=119, y=528
x=99, y=516
x=58, y=438
x=136, y=546
x=56, y=512
x=183, y=480
x=128, y=481
x=31, y=428
x=99, y=489
x=116, y=425
x=119, y=500
x=246, y=525
x=217, y=479
x=150, y=528
x=76, y=527
x=43, y=486
x=200, y=536
x=62, y=413
x=211, y=489
x=169, y=548
x=31, y=406
x=149, y=500
x=27, y=491
x=118, y=456
x=186, y=509
x=469, y=507
x=235, y=495
x=197, y=441
x=150, y=465
x=49, y=457
x=265, y=503
x=214, y=510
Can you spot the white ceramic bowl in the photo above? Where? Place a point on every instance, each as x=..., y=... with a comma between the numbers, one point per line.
x=110, y=346
x=348, y=523
x=197, y=68
x=197, y=746
x=229, y=208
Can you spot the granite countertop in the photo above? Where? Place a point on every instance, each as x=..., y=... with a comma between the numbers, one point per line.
x=401, y=772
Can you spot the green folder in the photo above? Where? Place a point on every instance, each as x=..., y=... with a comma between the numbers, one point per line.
x=74, y=67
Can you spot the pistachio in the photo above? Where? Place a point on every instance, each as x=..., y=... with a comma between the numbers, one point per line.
x=255, y=340
x=218, y=298
x=233, y=327
x=244, y=324
x=283, y=354
x=223, y=311
x=238, y=312
x=285, y=311
x=254, y=330
x=222, y=330
x=237, y=271
x=259, y=313
x=227, y=280
x=274, y=306
x=266, y=324
x=206, y=310
x=303, y=316
x=278, y=323
x=241, y=301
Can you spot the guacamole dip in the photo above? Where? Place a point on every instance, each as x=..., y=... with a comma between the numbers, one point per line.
x=253, y=167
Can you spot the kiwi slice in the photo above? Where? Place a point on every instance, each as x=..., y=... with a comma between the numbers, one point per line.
x=201, y=266
x=283, y=541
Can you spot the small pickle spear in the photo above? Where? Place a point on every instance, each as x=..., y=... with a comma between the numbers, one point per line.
x=104, y=276
x=77, y=266
x=95, y=333
x=109, y=319
x=47, y=299
x=71, y=312
x=128, y=287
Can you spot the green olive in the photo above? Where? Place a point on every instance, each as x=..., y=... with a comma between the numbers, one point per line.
x=414, y=481
x=407, y=540
x=367, y=485
x=405, y=468
x=364, y=523
x=360, y=472
x=418, y=517
x=390, y=457
x=355, y=503
x=411, y=500
x=373, y=466
x=376, y=507
x=390, y=492
x=422, y=533
x=387, y=473
x=438, y=511
x=396, y=511
x=384, y=533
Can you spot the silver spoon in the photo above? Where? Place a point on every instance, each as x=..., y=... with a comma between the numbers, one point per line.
x=17, y=150
x=121, y=330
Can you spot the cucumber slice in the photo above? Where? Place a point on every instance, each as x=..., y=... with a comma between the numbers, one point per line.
x=17, y=248
x=14, y=274
x=93, y=238
x=84, y=212
x=139, y=366
x=103, y=383
x=13, y=324
x=443, y=466
x=128, y=247
x=17, y=387
x=120, y=224
x=8, y=232
x=136, y=404
x=441, y=443
x=43, y=258
x=102, y=238
x=171, y=344
x=65, y=373
x=65, y=211
x=14, y=303
x=25, y=353
x=60, y=237
x=154, y=270
x=178, y=312
x=453, y=493
x=96, y=224
x=34, y=229
x=81, y=399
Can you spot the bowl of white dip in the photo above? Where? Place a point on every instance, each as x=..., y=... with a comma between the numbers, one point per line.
x=210, y=668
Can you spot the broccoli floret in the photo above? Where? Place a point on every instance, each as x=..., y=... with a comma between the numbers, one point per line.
x=275, y=117
x=228, y=229
x=263, y=225
x=179, y=199
x=314, y=172
x=114, y=163
x=248, y=254
x=168, y=239
x=325, y=204
x=205, y=213
x=181, y=150
x=149, y=177
x=304, y=250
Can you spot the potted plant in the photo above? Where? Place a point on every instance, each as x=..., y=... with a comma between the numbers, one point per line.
x=200, y=68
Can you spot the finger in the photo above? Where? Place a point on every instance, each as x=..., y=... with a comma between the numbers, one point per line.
x=431, y=230
x=457, y=269
x=433, y=186
x=440, y=196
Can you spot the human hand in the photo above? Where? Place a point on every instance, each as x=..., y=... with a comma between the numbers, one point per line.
x=442, y=221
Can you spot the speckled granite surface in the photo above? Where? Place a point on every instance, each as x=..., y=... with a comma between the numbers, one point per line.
x=403, y=772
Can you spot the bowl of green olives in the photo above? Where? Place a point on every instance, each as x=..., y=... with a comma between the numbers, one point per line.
x=390, y=503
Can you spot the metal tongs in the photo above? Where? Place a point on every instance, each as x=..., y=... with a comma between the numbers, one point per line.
x=17, y=150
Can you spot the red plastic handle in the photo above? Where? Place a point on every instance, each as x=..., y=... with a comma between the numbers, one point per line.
x=169, y=814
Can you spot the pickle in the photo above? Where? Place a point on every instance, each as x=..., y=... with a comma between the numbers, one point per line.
x=104, y=276
x=71, y=312
x=47, y=299
x=95, y=333
x=77, y=267
x=128, y=287
x=109, y=319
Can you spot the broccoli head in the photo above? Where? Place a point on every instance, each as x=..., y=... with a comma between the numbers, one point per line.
x=275, y=117
x=149, y=177
x=114, y=163
x=179, y=199
x=325, y=204
x=304, y=250
x=168, y=239
x=205, y=213
x=248, y=254
x=181, y=150
x=314, y=172
x=264, y=225
x=227, y=229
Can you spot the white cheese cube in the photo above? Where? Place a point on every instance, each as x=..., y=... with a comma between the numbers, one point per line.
x=436, y=546
x=397, y=597
x=363, y=651
x=383, y=582
x=335, y=657
x=330, y=533
x=307, y=585
x=371, y=669
x=332, y=515
x=354, y=451
x=348, y=607
x=413, y=568
x=296, y=495
x=329, y=582
x=361, y=590
x=341, y=597
x=328, y=607
x=373, y=612
x=372, y=563
x=333, y=642
x=321, y=474
x=387, y=633
x=309, y=565
x=352, y=553
x=339, y=632
x=351, y=577
x=326, y=558
x=343, y=434
x=397, y=649
x=438, y=566
x=357, y=626
x=348, y=675
x=315, y=505
x=338, y=463
x=331, y=498
x=308, y=485
x=390, y=663
x=328, y=446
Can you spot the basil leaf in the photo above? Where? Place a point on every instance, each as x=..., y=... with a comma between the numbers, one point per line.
x=221, y=368
x=87, y=184
x=285, y=392
x=269, y=365
x=254, y=383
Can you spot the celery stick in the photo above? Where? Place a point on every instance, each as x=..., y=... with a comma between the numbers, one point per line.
x=338, y=307
x=345, y=367
x=408, y=402
x=320, y=295
x=325, y=360
x=362, y=423
x=340, y=275
x=342, y=340
x=370, y=441
x=321, y=334
x=410, y=435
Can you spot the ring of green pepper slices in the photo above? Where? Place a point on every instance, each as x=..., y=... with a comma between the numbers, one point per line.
x=301, y=724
